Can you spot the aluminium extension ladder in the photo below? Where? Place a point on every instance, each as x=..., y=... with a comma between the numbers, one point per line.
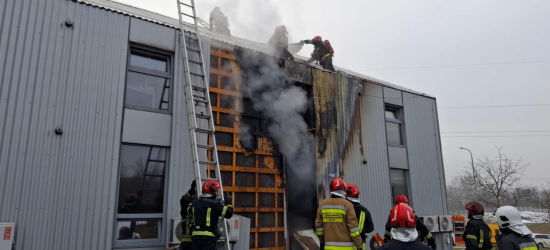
x=199, y=110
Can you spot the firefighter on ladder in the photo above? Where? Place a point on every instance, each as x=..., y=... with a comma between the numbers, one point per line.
x=204, y=214
x=336, y=223
x=364, y=218
x=185, y=200
x=424, y=232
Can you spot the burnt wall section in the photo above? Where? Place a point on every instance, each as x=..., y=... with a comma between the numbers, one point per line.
x=334, y=96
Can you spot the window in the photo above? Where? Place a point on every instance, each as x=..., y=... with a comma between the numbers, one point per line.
x=398, y=180
x=393, y=127
x=148, y=81
x=141, y=193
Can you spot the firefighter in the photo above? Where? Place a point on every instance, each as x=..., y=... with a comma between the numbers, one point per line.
x=477, y=234
x=336, y=224
x=320, y=53
x=185, y=200
x=204, y=214
x=218, y=22
x=279, y=42
x=364, y=218
x=516, y=236
x=424, y=232
x=403, y=231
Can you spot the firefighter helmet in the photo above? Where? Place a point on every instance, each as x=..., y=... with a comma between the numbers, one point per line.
x=510, y=217
x=402, y=199
x=352, y=191
x=474, y=208
x=318, y=38
x=210, y=187
x=402, y=216
x=131, y=197
x=337, y=184
x=282, y=29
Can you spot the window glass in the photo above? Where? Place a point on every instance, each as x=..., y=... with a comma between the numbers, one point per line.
x=392, y=114
x=142, y=172
x=393, y=131
x=398, y=180
x=146, y=91
x=148, y=62
x=138, y=230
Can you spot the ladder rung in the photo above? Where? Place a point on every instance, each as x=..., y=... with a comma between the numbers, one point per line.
x=198, y=88
x=205, y=146
x=209, y=163
x=187, y=15
x=200, y=100
x=202, y=130
x=194, y=50
x=196, y=74
x=191, y=38
x=193, y=61
x=190, y=6
x=203, y=116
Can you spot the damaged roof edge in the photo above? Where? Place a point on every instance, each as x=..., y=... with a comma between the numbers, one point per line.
x=150, y=16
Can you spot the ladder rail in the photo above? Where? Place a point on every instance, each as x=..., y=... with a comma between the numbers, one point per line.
x=192, y=115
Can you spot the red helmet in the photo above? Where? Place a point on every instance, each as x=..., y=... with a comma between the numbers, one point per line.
x=474, y=208
x=337, y=184
x=131, y=197
x=402, y=199
x=318, y=38
x=402, y=216
x=352, y=191
x=211, y=187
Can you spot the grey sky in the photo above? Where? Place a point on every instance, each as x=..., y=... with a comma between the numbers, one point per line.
x=391, y=34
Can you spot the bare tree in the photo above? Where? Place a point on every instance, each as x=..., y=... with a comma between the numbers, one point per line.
x=494, y=179
x=544, y=196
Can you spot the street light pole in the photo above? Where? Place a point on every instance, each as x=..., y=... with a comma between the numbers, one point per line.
x=473, y=169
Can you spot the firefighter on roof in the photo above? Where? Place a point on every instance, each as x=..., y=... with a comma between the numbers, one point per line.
x=516, y=235
x=279, y=43
x=477, y=234
x=424, y=232
x=364, y=218
x=403, y=230
x=322, y=53
x=218, y=22
x=204, y=214
x=336, y=224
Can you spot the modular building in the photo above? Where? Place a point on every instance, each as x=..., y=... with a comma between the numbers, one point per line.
x=93, y=116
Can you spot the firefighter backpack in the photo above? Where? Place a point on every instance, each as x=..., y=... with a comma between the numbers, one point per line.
x=329, y=47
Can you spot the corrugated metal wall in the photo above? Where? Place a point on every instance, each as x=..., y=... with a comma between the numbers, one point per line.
x=373, y=177
x=59, y=189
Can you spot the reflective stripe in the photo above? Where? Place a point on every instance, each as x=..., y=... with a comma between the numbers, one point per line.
x=528, y=246
x=334, y=207
x=188, y=194
x=333, y=211
x=480, y=239
x=353, y=230
x=225, y=210
x=387, y=232
x=469, y=236
x=429, y=236
x=203, y=233
x=338, y=248
x=354, y=234
x=208, y=216
x=340, y=244
x=325, y=57
x=187, y=239
x=361, y=221
x=320, y=231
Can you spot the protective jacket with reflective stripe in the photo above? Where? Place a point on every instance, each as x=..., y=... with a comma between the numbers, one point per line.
x=185, y=200
x=477, y=235
x=336, y=225
x=514, y=241
x=204, y=214
x=364, y=220
x=399, y=245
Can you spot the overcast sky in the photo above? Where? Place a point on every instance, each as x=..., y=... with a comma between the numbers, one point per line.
x=407, y=42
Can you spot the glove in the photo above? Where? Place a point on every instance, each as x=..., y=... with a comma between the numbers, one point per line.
x=228, y=201
x=431, y=243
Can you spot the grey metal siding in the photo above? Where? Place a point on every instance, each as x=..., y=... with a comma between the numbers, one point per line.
x=59, y=189
x=372, y=178
x=426, y=168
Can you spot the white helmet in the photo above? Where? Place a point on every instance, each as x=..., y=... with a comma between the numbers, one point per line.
x=509, y=217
